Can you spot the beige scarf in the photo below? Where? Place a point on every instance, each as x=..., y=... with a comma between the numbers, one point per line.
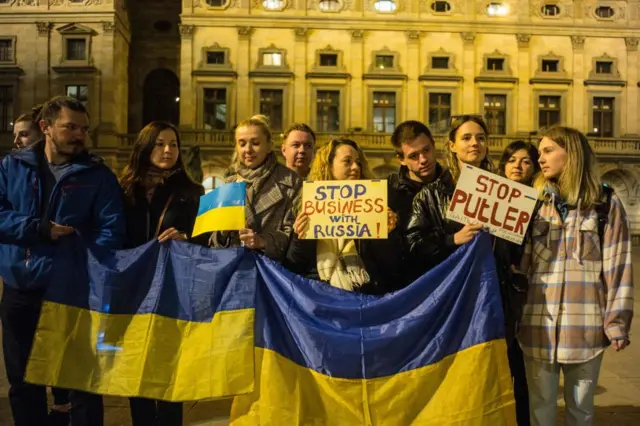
x=339, y=264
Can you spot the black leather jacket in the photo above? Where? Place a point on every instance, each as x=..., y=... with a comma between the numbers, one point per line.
x=428, y=233
x=430, y=238
x=143, y=217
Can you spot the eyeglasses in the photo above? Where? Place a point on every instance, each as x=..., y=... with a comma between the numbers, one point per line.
x=458, y=120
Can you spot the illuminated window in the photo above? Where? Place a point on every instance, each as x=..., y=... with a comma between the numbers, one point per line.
x=497, y=9
x=330, y=5
x=273, y=4
x=384, y=6
x=272, y=59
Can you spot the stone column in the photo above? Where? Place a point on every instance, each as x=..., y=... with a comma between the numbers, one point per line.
x=411, y=90
x=632, y=107
x=41, y=86
x=580, y=120
x=106, y=102
x=300, y=107
x=187, y=93
x=358, y=96
x=524, y=116
x=469, y=104
x=243, y=88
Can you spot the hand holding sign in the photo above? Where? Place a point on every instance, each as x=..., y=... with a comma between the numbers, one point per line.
x=352, y=209
x=301, y=224
x=499, y=204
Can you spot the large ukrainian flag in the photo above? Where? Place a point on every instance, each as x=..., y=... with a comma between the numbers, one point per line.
x=176, y=322
x=431, y=354
x=171, y=322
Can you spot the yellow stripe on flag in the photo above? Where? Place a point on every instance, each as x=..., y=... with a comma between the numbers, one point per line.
x=468, y=388
x=220, y=219
x=143, y=354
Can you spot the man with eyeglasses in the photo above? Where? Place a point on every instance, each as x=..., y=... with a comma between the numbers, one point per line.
x=55, y=199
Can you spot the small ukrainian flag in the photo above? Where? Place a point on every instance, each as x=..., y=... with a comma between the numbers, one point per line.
x=221, y=209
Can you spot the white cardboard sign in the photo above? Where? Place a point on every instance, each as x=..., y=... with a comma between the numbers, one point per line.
x=501, y=205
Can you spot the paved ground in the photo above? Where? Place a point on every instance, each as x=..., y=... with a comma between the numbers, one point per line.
x=617, y=397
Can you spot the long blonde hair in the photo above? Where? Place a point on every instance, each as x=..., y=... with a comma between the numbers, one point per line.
x=579, y=179
x=452, y=158
x=260, y=121
x=321, y=166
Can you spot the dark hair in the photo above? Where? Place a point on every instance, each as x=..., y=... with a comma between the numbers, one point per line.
x=50, y=110
x=456, y=122
x=514, y=147
x=140, y=160
x=408, y=131
x=300, y=127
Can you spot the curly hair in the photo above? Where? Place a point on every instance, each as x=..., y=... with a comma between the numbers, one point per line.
x=321, y=166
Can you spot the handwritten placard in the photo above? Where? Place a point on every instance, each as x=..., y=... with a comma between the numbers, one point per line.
x=355, y=209
x=501, y=205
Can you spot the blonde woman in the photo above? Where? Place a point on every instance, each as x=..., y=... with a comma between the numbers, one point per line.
x=580, y=296
x=271, y=191
x=355, y=265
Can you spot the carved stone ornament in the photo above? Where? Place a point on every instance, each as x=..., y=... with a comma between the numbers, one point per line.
x=357, y=35
x=301, y=33
x=523, y=40
x=108, y=27
x=186, y=31
x=468, y=37
x=413, y=36
x=21, y=3
x=632, y=43
x=86, y=2
x=577, y=41
x=245, y=32
x=44, y=28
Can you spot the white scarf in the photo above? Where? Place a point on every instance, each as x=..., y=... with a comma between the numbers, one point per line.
x=339, y=264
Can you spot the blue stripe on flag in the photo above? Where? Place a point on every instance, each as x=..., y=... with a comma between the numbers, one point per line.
x=228, y=195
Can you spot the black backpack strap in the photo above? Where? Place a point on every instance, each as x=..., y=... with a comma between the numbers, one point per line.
x=602, y=209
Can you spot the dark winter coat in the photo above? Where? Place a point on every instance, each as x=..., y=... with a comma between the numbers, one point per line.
x=143, y=216
x=86, y=197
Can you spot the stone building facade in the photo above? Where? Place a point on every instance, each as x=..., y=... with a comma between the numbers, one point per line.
x=354, y=67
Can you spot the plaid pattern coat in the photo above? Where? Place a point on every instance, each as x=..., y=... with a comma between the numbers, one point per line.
x=580, y=293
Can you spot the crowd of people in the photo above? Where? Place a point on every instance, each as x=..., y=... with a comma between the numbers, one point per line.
x=567, y=291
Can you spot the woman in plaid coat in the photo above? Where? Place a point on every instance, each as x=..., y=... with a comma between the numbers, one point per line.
x=580, y=296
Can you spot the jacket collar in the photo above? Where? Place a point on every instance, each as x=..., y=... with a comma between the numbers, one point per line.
x=405, y=182
x=33, y=155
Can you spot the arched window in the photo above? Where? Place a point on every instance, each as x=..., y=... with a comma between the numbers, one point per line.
x=384, y=6
x=273, y=4
x=330, y=5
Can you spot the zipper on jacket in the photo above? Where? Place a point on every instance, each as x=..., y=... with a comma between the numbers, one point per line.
x=27, y=257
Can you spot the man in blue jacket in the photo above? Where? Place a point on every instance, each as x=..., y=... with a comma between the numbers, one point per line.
x=55, y=199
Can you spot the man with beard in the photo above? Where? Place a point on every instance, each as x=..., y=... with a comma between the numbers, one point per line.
x=298, y=148
x=55, y=199
x=416, y=150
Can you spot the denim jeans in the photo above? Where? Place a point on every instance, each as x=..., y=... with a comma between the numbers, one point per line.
x=580, y=382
